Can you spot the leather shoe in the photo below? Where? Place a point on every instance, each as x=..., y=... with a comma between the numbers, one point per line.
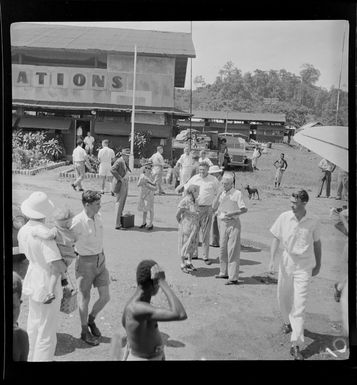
x=214, y=245
x=231, y=283
x=142, y=226
x=221, y=276
x=89, y=338
x=94, y=330
x=295, y=352
x=286, y=328
x=207, y=262
x=74, y=187
x=150, y=227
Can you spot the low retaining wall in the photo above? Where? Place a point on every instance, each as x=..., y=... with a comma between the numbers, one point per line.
x=35, y=171
x=89, y=175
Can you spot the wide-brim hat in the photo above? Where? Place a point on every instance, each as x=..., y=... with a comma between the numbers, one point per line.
x=37, y=206
x=125, y=151
x=214, y=169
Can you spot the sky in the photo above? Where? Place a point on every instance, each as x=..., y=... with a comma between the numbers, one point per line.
x=263, y=45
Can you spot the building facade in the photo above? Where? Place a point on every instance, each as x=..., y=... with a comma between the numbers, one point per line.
x=66, y=77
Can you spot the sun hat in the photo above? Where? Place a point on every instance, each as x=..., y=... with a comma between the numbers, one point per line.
x=37, y=206
x=214, y=169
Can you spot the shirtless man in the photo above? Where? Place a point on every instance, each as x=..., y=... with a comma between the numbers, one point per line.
x=144, y=342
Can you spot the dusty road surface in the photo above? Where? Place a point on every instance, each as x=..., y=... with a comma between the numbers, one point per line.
x=224, y=322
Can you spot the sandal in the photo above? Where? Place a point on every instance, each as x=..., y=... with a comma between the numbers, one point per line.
x=185, y=269
x=190, y=267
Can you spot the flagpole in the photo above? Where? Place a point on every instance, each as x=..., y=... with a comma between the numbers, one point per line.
x=131, y=157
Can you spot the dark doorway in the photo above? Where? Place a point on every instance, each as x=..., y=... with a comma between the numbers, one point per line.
x=82, y=127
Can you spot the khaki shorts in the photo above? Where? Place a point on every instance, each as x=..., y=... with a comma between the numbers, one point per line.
x=91, y=270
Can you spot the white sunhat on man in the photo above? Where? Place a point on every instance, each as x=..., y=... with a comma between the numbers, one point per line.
x=214, y=169
x=37, y=206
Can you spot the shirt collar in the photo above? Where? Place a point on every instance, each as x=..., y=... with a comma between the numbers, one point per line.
x=307, y=216
x=86, y=217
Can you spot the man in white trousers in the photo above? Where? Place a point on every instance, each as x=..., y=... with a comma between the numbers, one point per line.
x=231, y=206
x=105, y=156
x=299, y=233
x=158, y=164
x=42, y=318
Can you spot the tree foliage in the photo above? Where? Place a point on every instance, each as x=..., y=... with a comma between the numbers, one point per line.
x=275, y=91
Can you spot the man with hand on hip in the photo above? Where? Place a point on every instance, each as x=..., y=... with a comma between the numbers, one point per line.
x=90, y=266
x=158, y=167
x=120, y=171
x=209, y=188
x=299, y=233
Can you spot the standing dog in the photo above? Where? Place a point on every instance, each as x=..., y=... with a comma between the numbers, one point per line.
x=252, y=191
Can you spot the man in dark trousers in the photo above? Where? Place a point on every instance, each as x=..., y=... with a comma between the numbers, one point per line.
x=120, y=171
x=327, y=168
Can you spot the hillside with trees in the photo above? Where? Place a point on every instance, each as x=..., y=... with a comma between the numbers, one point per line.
x=268, y=91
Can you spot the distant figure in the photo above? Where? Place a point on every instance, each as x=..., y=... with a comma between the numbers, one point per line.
x=20, y=338
x=185, y=165
x=204, y=158
x=195, y=162
x=342, y=185
x=105, y=156
x=80, y=133
x=327, y=168
x=223, y=152
x=120, y=170
x=256, y=155
x=146, y=199
x=299, y=233
x=158, y=168
x=140, y=318
x=281, y=165
x=89, y=143
x=80, y=161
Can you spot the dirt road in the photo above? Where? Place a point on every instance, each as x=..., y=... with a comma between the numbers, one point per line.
x=224, y=322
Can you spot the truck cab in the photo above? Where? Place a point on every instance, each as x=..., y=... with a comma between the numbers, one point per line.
x=236, y=147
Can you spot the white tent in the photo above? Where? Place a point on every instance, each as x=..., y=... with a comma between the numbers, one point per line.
x=330, y=142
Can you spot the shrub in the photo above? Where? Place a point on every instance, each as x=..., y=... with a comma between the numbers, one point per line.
x=141, y=141
x=33, y=149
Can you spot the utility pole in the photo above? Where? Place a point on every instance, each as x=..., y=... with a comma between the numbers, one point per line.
x=339, y=79
x=131, y=157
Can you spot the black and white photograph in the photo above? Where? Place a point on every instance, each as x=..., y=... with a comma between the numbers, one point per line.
x=180, y=190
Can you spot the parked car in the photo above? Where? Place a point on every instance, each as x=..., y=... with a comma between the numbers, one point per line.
x=236, y=146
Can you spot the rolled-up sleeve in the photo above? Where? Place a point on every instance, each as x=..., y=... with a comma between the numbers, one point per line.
x=240, y=201
x=276, y=228
x=316, y=234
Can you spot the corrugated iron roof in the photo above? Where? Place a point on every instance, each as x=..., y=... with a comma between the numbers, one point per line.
x=68, y=37
x=234, y=115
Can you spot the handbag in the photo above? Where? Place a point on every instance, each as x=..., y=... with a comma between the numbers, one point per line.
x=69, y=298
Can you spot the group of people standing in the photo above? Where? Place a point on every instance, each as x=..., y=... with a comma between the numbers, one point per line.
x=210, y=202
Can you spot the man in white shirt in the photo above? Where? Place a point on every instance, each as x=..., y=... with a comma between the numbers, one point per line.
x=185, y=164
x=41, y=254
x=299, y=233
x=89, y=142
x=327, y=168
x=90, y=266
x=230, y=207
x=209, y=187
x=158, y=167
x=105, y=157
x=80, y=160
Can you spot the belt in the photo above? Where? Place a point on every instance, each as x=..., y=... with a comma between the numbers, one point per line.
x=91, y=258
x=204, y=205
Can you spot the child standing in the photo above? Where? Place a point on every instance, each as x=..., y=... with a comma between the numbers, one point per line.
x=187, y=217
x=146, y=199
x=65, y=240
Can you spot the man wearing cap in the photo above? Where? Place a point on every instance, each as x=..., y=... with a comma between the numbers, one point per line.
x=120, y=171
x=42, y=318
x=90, y=268
x=80, y=160
x=230, y=206
x=105, y=156
x=158, y=167
x=209, y=187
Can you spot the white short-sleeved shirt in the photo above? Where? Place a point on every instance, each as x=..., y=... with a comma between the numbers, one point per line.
x=40, y=254
x=105, y=155
x=89, y=140
x=79, y=154
x=157, y=162
x=206, y=160
x=229, y=201
x=88, y=233
x=209, y=187
x=297, y=238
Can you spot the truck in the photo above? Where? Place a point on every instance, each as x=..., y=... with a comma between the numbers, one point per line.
x=236, y=149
